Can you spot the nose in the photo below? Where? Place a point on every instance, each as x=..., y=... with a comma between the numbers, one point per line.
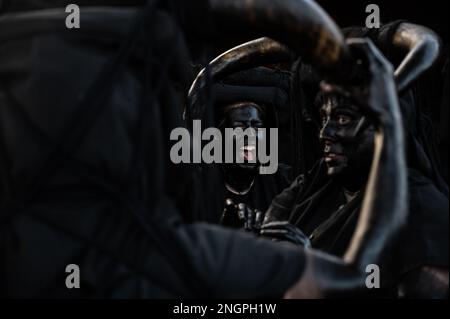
x=327, y=133
x=249, y=125
x=327, y=145
x=252, y=131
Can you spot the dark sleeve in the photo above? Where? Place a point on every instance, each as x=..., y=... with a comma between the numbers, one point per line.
x=121, y=257
x=282, y=205
x=425, y=237
x=235, y=264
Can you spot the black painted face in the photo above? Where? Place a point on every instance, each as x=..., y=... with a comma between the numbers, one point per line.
x=244, y=117
x=346, y=154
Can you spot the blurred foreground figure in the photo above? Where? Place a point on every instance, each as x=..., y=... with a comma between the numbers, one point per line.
x=85, y=175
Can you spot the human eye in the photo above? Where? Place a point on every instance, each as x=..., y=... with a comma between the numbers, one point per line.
x=343, y=119
x=257, y=124
x=237, y=124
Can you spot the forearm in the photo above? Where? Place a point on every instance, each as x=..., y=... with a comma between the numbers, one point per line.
x=385, y=203
x=234, y=264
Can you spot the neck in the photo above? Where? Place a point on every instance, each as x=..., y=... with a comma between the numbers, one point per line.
x=239, y=181
x=352, y=183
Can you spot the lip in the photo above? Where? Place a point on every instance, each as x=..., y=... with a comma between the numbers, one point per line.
x=250, y=148
x=332, y=157
x=248, y=153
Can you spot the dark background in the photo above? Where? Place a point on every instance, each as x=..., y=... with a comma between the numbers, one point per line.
x=431, y=13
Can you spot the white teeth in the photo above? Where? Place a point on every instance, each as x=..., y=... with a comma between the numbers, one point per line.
x=250, y=148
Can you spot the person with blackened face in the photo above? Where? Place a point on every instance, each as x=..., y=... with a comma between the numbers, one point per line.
x=324, y=203
x=321, y=208
x=247, y=193
x=239, y=177
x=236, y=193
x=347, y=154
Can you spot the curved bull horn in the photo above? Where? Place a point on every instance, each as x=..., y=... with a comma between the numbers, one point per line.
x=423, y=47
x=302, y=25
x=246, y=56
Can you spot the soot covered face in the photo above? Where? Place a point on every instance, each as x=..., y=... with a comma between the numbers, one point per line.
x=347, y=137
x=244, y=116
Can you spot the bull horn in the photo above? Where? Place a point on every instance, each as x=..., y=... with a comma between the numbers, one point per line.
x=243, y=57
x=423, y=47
x=302, y=25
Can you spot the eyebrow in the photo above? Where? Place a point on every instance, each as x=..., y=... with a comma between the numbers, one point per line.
x=346, y=107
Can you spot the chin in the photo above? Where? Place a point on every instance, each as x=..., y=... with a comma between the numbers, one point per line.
x=247, y=167
x=335, y=170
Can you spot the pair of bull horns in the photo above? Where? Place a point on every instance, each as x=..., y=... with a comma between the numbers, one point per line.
x=300, y=25
x=303, y=26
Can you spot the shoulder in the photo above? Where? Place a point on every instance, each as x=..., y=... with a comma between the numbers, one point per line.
x=425, y=283
x=426, y=235
x=425, y=198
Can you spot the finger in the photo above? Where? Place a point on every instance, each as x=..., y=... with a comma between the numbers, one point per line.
x=248, y=219
x=229, y=202
x=258, y=218
x=275, y=225
x=273, y=232
x=282, y=232
x=287, y=232
x=241, y=211
x=283, y=235
x=298, y=233
x=254, y=218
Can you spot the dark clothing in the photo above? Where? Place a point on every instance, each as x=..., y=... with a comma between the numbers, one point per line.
x=85, y=175
x=425, y=238
x=264, y=189
x=209, y=204
x=317, y=206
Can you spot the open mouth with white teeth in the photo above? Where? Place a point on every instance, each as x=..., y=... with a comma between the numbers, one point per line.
x=248, y=153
